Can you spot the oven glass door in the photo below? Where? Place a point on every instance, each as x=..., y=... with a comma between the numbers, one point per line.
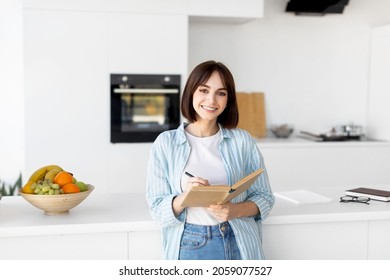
x=145, y=113
x=146, y=110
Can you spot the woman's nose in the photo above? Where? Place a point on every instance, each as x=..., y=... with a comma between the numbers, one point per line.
x=211, y=97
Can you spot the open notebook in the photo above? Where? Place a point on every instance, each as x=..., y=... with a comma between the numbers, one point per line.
x=203, y=196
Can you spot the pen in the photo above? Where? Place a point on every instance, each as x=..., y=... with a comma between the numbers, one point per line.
x=188, y=174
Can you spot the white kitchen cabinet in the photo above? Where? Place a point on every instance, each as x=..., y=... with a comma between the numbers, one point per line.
x=66, y=91
x=145, y=245
x=231, y=10
x=316, y=241
x=89, y=246
x=69, y=56
x=147, y=43
x=228, y=10
x=118, y=226
x=379, y=247
x=11, y=90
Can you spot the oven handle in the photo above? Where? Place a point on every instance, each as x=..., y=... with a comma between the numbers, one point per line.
x=146, y=90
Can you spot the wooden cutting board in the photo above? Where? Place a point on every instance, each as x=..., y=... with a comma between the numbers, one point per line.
x=251, y=108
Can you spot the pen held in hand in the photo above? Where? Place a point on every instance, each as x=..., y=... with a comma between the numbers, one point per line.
x=200, y=182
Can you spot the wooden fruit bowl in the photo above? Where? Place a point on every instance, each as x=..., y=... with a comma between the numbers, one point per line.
x=57, y=204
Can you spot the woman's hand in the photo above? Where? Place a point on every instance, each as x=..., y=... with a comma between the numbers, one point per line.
x=192, y=182
x=229, y=211
x=196, y=181
x=224, y=212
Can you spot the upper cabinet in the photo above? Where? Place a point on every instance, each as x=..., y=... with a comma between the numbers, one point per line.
x=214, y=10
x=225, y=10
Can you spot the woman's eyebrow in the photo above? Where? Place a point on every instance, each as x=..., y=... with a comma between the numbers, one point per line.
x=204, y=85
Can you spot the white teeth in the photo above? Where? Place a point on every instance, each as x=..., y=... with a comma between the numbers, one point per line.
x=209, y=108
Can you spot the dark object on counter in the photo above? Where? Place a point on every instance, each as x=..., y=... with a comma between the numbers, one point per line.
x=143, y=106
x=282, y=131
x=332, y=136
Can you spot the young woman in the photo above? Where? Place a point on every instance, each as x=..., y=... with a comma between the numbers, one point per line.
x=210, y=147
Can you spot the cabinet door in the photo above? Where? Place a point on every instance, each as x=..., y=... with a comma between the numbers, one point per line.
x=145, y=245
x=243, y=9
x=378, y=240
x=147, y=44
x=92, y=246
x=66, y=91
x=316, y=241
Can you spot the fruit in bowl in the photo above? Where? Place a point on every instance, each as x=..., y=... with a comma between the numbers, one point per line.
x=54, y=192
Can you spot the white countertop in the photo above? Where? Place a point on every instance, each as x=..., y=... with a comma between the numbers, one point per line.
x=97, y=213
x=129, y=212
x=285, y=212
x=298, y=141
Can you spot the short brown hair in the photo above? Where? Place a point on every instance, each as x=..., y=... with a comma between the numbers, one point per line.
x=199, y=75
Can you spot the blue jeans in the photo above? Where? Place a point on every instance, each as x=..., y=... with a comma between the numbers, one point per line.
x=208, y=243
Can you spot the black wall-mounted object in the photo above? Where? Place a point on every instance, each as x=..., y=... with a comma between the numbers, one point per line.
x=143, y=106
x=320, y=7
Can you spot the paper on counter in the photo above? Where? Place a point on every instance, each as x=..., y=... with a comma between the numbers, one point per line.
x=303, y=197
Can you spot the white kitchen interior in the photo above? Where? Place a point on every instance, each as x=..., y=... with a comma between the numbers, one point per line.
x=316, y=72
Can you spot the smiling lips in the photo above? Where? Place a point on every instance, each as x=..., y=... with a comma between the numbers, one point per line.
x=209, y=108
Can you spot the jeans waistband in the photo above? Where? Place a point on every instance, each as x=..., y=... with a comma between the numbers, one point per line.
x=216, y=230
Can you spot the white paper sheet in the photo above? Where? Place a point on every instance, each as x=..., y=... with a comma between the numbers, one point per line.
x=303, y=197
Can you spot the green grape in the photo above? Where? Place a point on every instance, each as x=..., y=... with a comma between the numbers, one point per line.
x=46, y=188
x=33, y=186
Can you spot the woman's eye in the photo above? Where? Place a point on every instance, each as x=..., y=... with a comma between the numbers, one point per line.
x=222, y=93
x=203, y=90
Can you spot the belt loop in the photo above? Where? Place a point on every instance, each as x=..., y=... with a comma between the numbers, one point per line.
x=209, y=232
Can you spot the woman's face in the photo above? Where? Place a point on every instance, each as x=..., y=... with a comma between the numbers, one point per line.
x=210, y=99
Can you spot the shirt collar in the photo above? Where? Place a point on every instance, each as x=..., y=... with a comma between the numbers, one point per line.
x=181, y=136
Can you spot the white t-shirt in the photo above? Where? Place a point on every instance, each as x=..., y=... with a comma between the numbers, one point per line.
x=205, y=161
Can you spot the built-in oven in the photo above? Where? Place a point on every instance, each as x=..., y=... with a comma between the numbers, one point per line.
x=143, y=106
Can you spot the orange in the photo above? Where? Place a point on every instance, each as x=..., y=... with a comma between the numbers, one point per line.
x=27, y=187
x=63, y=178
x=70, y=188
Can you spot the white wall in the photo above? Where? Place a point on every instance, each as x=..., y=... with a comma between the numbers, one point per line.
x=312, y=69
x=11, y=91
x=379, y=98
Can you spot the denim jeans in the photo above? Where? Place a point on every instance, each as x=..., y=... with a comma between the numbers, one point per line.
x=200, y=242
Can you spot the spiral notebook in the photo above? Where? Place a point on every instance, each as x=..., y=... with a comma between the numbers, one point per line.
x=303, y=197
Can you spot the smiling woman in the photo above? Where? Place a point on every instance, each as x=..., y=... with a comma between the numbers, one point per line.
x=210, y=99
x=217, y=153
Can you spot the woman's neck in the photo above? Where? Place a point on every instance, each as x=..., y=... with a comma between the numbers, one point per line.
x=202, y=129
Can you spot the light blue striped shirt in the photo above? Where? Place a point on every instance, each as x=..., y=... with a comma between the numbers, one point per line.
x=240, y=156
